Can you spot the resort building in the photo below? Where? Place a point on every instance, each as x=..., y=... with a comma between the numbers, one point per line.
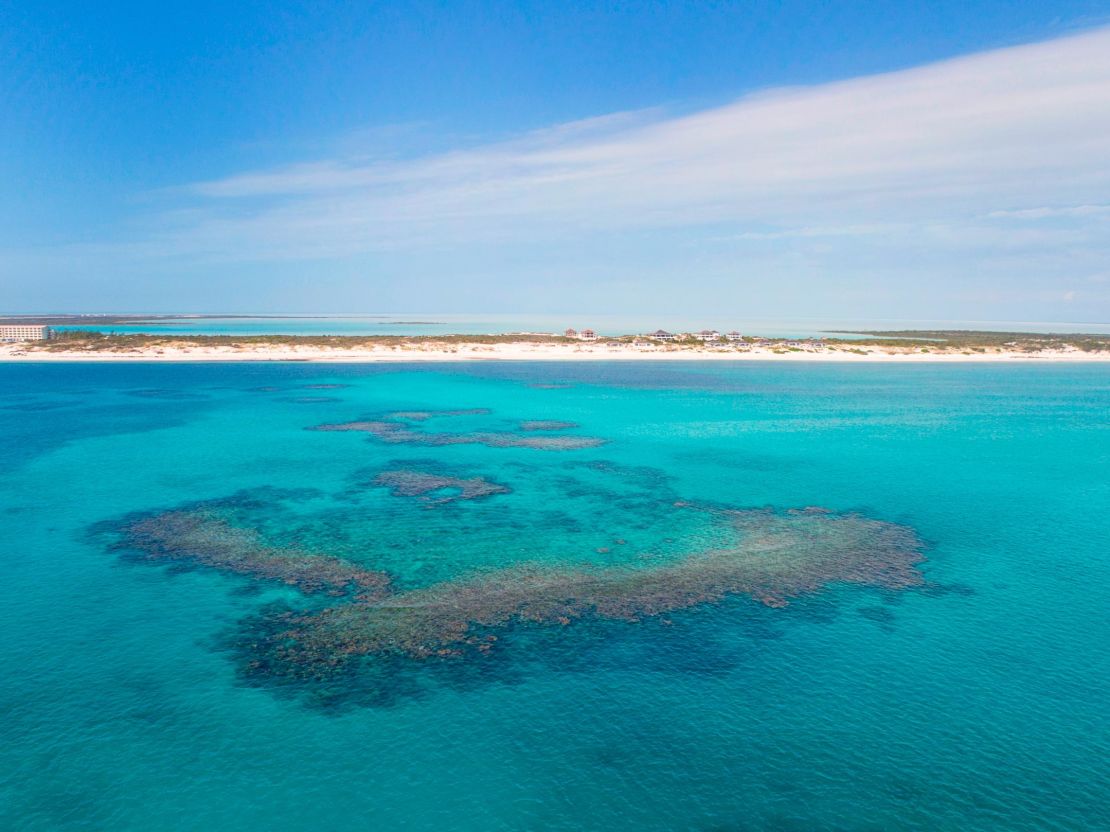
x=662, y=335
x=26, y=332
x=708, y=335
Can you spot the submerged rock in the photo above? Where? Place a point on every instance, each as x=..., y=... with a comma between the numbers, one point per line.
x=411, y=483
x=547, y=424
x=696, y=554
x=400, y=433
x=772, y=557
x=202, y=538
x=424, y=415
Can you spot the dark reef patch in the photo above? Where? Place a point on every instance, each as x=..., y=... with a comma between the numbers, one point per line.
x=547, y=424
x=201, y=538
x=376, y=635
x=396, y=428
x=425, y=415
x=707, y=642
x=772, y=558
x=437, y=488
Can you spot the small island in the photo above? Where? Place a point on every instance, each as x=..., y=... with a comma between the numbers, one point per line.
x=896, y=345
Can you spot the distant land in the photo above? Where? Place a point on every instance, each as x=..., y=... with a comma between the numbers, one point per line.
x=877, y=345
x=425, y=323
x=126, y=320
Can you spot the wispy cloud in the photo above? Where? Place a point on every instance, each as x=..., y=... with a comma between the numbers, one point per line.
x=980, y=135
x=974, y=188
x=1053, y=211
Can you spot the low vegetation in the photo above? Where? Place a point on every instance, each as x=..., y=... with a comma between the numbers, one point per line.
x=981, y=341
x=919, y=341
x=88, y=340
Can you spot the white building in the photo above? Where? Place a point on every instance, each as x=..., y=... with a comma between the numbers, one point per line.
x=25, y=332
x=735, y=336
x=708, y=335
x=587, y=335
x=662, y=335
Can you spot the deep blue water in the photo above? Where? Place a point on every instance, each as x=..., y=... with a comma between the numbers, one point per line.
x=976, y=702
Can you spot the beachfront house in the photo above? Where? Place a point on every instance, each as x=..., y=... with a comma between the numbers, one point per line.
x=26, y=332
x=708, y=335
x=587, y=335
x=662, y=335
x=735, y=336
x=570, y=333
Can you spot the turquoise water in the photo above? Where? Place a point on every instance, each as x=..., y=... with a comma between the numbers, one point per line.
x=976, y=701
x=333, y=325
x=438, y=324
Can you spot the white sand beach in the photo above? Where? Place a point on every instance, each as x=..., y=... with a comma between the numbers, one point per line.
x=530, y=351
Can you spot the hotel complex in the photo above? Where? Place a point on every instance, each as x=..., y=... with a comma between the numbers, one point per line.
x=25, y=332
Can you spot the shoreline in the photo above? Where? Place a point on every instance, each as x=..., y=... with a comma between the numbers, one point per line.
x=524, y=351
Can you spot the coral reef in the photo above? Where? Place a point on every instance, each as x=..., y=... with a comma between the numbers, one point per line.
x=772, y=558
x=202, y=538
x=412, y=483
x=398, y=433
x=378, y=627
x=547, y=424
x=425, y=415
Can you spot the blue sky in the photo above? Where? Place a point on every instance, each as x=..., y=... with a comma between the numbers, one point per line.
x=948, y=160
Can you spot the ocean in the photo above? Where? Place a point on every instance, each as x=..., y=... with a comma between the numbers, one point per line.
x=557, y=596
x=485, y=324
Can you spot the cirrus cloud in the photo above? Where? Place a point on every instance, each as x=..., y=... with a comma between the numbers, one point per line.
x=999, y=134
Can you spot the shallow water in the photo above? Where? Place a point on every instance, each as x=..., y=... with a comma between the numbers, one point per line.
x=973, y=701
x=438, y=324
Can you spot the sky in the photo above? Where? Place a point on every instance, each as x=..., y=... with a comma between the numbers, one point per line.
x=902, y=160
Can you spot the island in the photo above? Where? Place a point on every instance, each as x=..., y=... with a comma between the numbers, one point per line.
x=898, y=346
